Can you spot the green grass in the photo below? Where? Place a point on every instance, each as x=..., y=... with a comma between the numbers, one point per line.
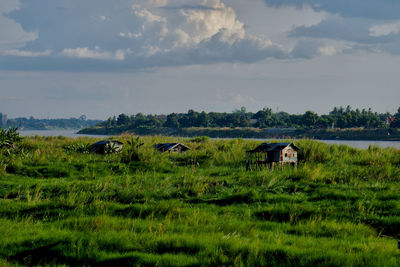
x=62, y=206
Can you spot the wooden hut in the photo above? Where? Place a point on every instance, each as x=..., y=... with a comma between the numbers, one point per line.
x=270, y=154
x=171, y=147
x=106, y=146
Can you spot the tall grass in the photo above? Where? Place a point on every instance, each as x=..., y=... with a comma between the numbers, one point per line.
x=62, y=206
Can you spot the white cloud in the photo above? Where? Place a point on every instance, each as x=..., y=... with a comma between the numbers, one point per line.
x=85, y=52
x=327, y=50
x=185, y=25
x=11, y=33
x=131, y=35
x=146, y=14
x=21, y=53
x=384, y=29
x=202, y=24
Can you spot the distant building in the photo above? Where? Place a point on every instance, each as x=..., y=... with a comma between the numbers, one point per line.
x=270, y=154
x=3, y=120
x=171, y=147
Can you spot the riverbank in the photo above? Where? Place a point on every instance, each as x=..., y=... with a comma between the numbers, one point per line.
x=273, y=133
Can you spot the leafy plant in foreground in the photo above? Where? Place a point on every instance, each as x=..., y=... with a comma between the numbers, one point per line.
x=9, y=137
x=131, y=151
x=78, y=148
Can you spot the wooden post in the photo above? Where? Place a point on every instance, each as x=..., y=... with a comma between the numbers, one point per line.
x=266, y=159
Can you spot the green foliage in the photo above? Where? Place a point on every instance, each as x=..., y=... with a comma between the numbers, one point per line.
x=8, y=137
x=131, y=150
x=62, y=206
x=77, y=148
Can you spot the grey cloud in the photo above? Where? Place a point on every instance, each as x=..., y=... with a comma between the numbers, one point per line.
x=67, y=24
x=133, y=35
x=211, y=51
x=306, y=49
x=373, y=9
x=369, y=25
x=347, y=29
x=356, y=32
x=391, y=48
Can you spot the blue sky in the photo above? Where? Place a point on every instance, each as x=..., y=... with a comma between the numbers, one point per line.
x=63, y=58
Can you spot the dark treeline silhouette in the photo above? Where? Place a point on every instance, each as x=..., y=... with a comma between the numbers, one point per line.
x=45, y=124
x=339, y=117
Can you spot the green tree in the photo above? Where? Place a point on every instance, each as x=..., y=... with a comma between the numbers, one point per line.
x=310, y=118
x=172, y=121
x=123, y=119
x=397, y=115
x=203, y=120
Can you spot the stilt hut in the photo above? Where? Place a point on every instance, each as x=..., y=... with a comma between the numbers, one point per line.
x=272, y=154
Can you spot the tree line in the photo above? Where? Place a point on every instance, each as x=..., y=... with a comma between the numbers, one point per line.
x=45, y=124
x=339, y=117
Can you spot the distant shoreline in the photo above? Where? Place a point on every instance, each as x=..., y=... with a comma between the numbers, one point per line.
x=273, y=133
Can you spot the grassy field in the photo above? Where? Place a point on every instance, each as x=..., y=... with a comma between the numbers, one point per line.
x=60, y=205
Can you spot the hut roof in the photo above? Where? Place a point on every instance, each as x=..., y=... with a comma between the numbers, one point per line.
x=170, y=146
x=268, y=147
x=106, y=142
x=101, y=147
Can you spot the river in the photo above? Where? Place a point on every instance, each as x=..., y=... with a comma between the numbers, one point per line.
x=66, y=133
x=352, y=143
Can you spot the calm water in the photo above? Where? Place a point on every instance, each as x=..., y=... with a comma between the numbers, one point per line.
x=364, y=144
x=66, y=133
x=357, y=144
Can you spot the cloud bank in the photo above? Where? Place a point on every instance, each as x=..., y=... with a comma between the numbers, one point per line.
x=102, y=35
x=368, y=25
x=125, y=34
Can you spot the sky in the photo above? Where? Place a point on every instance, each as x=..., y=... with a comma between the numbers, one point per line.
x=66, y=58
